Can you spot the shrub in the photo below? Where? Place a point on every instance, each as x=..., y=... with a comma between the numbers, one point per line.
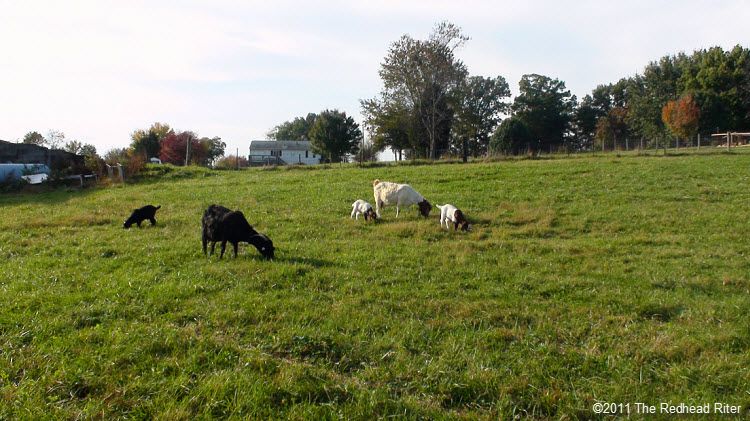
x=135, y=165
x=230, y=162
x=11, y=184
x=132, y=162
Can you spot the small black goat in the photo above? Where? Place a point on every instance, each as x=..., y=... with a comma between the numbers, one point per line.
x=140, y=215
x=222, y=224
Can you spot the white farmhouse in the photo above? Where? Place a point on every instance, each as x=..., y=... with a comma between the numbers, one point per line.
x=282, y=152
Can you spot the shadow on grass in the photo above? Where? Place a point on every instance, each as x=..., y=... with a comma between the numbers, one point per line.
x=251, y=254
x=158, y=173
x=659, y=312
x=311, y=261
x=483, y=221
x=44, y=195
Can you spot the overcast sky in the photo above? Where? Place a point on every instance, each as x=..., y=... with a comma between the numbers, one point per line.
x=97, y=70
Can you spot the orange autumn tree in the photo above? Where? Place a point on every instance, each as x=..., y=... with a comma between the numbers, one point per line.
x=681, y=116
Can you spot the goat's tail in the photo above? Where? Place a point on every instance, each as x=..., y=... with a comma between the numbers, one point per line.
x=375, y=182
x=158, y=207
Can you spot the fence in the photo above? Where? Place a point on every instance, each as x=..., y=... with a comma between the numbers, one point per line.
x=636, y=145
x=726, y=140
x=116, y=171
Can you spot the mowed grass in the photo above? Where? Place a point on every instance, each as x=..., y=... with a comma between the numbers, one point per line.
x=615, y=279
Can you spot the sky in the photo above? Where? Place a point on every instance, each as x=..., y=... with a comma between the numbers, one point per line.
x=98, y=70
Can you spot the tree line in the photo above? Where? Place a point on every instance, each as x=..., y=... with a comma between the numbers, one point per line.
x=176, y=147
x=170, y=146
x=431, y=106
x=158, y=141
x=676, y=97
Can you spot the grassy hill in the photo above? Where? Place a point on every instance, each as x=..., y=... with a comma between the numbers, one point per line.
x=617, y=279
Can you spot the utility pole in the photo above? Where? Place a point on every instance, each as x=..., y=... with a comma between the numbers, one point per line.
x=187, y=151
x=362, y=147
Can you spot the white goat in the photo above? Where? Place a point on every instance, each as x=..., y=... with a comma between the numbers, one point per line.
x=450, y=213
x=387, y=193
x=360, y=207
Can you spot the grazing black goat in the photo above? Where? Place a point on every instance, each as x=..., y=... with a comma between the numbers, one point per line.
x=222, y=224
x=141, y=214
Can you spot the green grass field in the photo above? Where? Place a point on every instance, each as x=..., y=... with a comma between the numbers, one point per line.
x=604, y=279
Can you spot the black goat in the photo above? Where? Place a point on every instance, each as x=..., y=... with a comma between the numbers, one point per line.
x=225, y=225
x=141, y=214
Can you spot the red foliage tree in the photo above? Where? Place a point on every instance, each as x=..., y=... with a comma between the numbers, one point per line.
x=174, y=148
x=681, y=116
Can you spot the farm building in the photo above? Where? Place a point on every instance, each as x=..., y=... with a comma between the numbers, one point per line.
x=32, y=173
x=22, y=153
x=282, y=152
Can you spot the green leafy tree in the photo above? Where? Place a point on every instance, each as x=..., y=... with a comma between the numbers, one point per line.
x=585, y=118
x=718, y=81
x=612, y=128
x=512, y=137
x=34, y=138
x=423, y=75
x=440, y=135
x=546, y=106
x=214, y=149
x=87, y=149
x=647, y=94
x=160, y=129
x=592, y=108
x=92, y=160
x=389, y=125
x=73, y=146
x=148, y=142
x=481, y=102
x=334, y=135
x=117, y=155
x=296, y=129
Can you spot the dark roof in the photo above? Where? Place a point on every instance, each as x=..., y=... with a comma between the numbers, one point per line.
x=292, y=145
x=27, y=153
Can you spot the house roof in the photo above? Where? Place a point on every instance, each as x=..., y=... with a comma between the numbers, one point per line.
x=30, y=153
x=291, y=145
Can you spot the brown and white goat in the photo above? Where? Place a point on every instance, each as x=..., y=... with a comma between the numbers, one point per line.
x=360, y=207
x=401, y=195
x=450, y=213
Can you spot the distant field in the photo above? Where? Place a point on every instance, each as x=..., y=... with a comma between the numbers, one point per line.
x=614, y=279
